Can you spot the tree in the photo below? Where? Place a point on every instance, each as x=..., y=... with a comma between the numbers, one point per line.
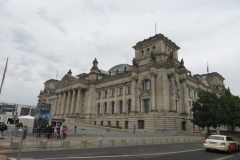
x=205, y=110
x=231, y=105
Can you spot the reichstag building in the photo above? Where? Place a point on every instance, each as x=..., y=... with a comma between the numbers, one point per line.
x=153, y=92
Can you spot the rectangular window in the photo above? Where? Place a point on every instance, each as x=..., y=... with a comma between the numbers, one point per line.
x=99, y=95
x=190, y=105
x=147, y=105
x=105, y=94
x=105, y=108
x=98, y=108
x=126, y=124
x=109, y=123
x=101, y=123
x=189, y=93
x=176, y=103
x=129, y=90
x=120, y=107
x=112, y=107
x=95, y=122
x=113, y=92
x=120, y=91
x=117, y=123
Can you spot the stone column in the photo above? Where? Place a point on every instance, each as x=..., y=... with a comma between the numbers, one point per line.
x=108, y=102
x=116, y=108
x=185, y=95
x=124, y=100
x=78, y=107
x=153, y=92
x=59, y=103
x=63, y=103
x=133, y=95
x=138, y=103
x=172, y=75
x=68, y=102
x=73, y=101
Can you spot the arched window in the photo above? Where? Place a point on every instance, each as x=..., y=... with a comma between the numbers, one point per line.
x=154, y=49
x=146, y=85
x=148, y=51
x=142, y=53
x=120, y=107
x=129, y=106
x=98, y=108
x=112, y=107
x=105, y=108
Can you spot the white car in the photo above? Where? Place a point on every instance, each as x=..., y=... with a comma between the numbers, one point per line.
x=222, y=143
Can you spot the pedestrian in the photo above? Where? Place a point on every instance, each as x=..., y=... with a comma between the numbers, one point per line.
x=1, y=130
x=49, y=132
x=4, y=130
x=45, y=131
x=58, y=132
x=39, y=131
x=75, y=129
x=64, y=132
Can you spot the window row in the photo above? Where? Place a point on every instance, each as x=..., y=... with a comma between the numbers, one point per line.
x=112, y=92
x=146, y=105
x=148, y=51
x=113, y=106
x=140, y=124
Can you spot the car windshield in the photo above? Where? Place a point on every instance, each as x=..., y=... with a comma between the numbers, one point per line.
x=216, y=137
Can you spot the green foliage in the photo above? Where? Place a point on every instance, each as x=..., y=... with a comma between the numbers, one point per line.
x=204, y=109
x=211, y=111
x=231, y=106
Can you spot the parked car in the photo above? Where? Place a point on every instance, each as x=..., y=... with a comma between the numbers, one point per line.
x=222, y=143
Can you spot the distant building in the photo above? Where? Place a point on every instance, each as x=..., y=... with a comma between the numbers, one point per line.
x=6, y=111
x=156, y=91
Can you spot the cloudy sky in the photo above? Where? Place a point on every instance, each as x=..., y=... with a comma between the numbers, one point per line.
x=43, y=36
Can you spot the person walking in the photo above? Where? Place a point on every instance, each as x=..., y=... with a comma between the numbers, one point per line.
x=49, y=132
x=39, y=131
x=1, y=130
x=64, y=132
x=4, y=130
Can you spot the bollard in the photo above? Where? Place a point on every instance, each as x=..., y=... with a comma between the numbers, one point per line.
x=170, y=140
x=134, y=141
x=112, y=142
x=84, y=143
x=151, y=141
x=15, y=145
x=123, y=142
x=43, y=144
x=66, y=144
x=99, y=143
x=143, y=141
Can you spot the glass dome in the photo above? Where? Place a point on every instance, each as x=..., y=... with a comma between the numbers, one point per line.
x=120, y=68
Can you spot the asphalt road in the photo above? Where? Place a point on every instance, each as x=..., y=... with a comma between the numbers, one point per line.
x=174, y=151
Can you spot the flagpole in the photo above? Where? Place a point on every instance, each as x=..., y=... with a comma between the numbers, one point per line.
x=5, y=70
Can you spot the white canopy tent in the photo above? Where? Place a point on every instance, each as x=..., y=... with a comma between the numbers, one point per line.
x=27, y=121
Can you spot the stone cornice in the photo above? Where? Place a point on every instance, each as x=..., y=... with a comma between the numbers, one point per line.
x=153, y=40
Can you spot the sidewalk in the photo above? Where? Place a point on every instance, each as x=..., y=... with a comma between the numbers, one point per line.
x=32, y=143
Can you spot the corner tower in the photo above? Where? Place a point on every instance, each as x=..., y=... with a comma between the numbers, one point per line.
x=158, y=45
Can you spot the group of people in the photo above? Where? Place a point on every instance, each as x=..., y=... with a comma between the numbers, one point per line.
x=3, y=129
x=52, y=131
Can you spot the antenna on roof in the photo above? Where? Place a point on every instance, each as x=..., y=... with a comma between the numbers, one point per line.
x=155, y=28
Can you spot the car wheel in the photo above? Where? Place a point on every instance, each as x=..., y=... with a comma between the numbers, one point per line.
x=238, y=149
x=207, y=149
x=229, y=149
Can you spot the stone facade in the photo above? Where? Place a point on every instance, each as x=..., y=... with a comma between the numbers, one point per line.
x=153, y=93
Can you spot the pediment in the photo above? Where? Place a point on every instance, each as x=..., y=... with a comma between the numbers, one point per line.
x=145, y=93
x=66, y=80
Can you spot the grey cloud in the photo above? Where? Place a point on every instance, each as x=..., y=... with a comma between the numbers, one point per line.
x=53, y=21
x=26, y=41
